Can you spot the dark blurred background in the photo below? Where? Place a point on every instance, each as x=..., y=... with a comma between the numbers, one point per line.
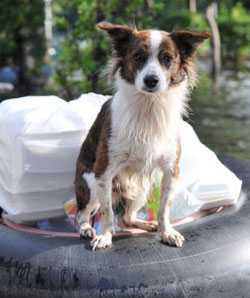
x=53, y=47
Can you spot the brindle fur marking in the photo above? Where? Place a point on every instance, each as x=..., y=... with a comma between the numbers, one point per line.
x=93, y=156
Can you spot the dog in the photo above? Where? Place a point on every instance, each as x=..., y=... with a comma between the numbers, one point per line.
x=137, y=131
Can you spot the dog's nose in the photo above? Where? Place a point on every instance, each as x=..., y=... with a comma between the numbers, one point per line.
x=151, y=81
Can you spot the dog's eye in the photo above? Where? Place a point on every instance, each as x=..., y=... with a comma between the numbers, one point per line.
x=166, y=60
x=140, y=57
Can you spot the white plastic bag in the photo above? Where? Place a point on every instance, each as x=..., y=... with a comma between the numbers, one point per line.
x=204, y=181
x=40, y=139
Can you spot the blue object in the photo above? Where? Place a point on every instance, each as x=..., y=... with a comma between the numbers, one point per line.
x=8, y=74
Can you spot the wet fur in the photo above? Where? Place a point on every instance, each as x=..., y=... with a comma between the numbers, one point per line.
x=136, y=131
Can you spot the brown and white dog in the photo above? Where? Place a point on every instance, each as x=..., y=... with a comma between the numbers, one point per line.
x=137, y=131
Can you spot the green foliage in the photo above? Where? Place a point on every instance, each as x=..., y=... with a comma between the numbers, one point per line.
x=182, y=19
x=21, y=22
x=84, y=52
x=234, y=26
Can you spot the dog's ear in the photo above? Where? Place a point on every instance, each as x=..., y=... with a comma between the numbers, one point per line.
x=187, y=41
x=120, y=34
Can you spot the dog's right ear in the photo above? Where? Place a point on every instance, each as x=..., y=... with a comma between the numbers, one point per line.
x=120, y=34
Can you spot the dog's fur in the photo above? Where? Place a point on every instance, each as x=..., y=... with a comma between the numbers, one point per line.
x=137, y=130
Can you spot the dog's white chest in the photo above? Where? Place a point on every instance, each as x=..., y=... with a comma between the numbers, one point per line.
x=143, y=131
x=149, y=150
x=143, y=152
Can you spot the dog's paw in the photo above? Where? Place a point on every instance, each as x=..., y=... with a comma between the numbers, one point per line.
x=150, y=227
x=101, y=241
x=172, y=237
x=146, y=225
x=86, y=231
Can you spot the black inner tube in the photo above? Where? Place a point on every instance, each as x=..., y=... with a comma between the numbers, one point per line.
x=214, y=261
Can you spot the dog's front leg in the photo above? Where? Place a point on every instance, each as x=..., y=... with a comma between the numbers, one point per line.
x=104, y=192
x=168, y=234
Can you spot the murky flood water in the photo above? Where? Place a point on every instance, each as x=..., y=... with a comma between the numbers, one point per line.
x=222, y=118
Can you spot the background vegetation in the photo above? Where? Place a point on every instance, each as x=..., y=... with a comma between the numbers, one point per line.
x=22, y=40
x=84, y=50
x=73, y=61
x=80, y=51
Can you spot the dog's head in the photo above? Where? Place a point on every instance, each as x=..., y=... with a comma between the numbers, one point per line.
x=152, y=60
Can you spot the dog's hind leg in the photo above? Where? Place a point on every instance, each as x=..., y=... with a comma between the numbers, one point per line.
x=130, y=216
x=87, y=203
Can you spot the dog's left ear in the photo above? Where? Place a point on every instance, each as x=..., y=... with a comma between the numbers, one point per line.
x=187, y=41
x=120, y=34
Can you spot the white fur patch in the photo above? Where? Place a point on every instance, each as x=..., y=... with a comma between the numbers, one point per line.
x=145, y=126
x=155, y=41
x=94, y=201
x=90, y=179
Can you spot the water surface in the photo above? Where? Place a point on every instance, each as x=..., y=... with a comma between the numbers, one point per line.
x=221, y=117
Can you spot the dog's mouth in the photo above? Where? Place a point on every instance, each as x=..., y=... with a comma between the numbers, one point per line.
x=150, y=90
x=155, y=90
